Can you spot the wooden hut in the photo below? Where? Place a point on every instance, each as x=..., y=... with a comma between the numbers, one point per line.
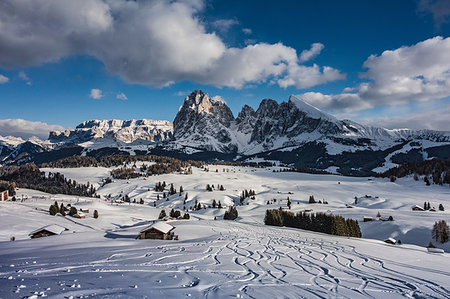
x=4, y=195
x=158, y=230
x=49, y=230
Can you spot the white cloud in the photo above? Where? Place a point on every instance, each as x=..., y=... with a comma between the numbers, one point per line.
x=146, y=42
x=420, y=72
x=302, y=76
x=247, y=31
x=224, y=24
x=437, y=119
x=3, y=79
x=24, y=77
x=26, y=129
x=315, y=50
x=96, y=94
x=121, y=96
x=440, y=9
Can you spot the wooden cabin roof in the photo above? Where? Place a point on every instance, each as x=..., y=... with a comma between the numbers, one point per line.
x=159, y=226
x=53, y=228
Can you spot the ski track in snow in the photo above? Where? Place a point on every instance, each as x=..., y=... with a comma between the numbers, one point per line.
x=240, y=260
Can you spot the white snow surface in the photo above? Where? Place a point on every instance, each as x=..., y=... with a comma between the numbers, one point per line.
x=219, y=258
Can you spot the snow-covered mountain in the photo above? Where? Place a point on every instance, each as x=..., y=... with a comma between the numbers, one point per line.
x=208, y=124
x=122, y=130
x=293, y=132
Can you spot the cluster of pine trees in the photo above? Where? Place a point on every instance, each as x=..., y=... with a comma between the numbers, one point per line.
x=231, y=214
x=216, y=205
x=117, y=160
x=441, y=231
x=437, y=169
x=29, y=176
x=318, y=222
x=313, y=200
x=427, y=206
x=211, y=187
x=173, y=214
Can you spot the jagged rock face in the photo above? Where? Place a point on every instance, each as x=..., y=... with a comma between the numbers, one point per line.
x=204, y=120
x=126, y=131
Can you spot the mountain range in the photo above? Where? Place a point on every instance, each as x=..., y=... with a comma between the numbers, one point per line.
x=292, y=132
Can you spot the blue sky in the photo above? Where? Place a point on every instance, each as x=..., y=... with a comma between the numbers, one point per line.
x=62, y=63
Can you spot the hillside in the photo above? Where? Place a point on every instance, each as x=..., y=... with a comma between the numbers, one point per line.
x=241, y=258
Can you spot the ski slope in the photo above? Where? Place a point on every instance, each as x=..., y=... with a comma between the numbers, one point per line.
x=218, y=258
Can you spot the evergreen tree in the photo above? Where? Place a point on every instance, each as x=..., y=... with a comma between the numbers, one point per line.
x=441, y=231
x=181, y=190
x=162, y=214
x=311, y=199
x=441, y=207
x=95, y=214
x=186, y=216
x=172, y=213
x=214, y=203
x=219, y=205
x=62, y=210
x=53, y=210
x=73, y=211
x=231, y=214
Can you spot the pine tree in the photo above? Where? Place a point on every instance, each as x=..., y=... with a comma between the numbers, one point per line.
x=214, y=203
x=95, y=214
x=53, y=210
x=219, y=205
x=162, y=214
x=73, y=211
x=62, y=210
x=441, y=231
x=441, y=207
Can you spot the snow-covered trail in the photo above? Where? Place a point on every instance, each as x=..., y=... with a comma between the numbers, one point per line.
x=217, y=259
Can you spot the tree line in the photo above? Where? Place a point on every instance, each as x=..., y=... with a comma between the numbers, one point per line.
x=29, y=176
x=117, y=160
x=438, y=170
x=317, y=222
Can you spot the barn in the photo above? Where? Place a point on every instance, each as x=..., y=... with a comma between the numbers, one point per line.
x=158, y=230
x=49, y=230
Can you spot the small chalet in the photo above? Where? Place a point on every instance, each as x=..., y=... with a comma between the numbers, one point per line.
x=390, y=241
x=417, y=208
x=158, y=230
x=4, y=195
x=367, y=219
x=49, y=230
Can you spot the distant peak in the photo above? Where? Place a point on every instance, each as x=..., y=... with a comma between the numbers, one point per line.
x=309, y=109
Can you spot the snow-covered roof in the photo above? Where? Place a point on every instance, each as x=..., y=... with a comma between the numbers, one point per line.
x=160, y=226
x=53, y=228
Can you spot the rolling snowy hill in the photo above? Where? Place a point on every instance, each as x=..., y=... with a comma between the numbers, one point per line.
x=219, y=258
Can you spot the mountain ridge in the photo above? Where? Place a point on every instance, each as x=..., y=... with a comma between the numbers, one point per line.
x=293, y=132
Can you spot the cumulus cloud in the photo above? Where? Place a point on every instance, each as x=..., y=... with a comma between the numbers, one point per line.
x=26, y=129
x=440, y=9
x=145, y=42
x=433, y=120
x=121, y=96
x=247, y=31
x=96, y=94
x=420, y=72
x=3, y=79
x=315, y=50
